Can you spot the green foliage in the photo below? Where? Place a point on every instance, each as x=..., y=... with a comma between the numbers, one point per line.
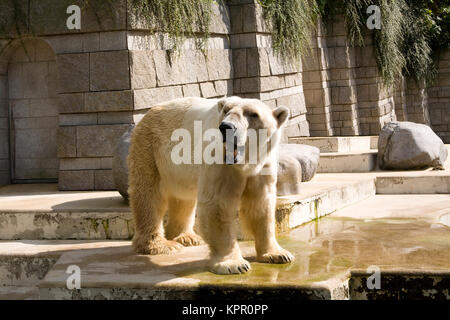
x=179, y=18
x=412, y=31
x=402, y=45
x=292, y=23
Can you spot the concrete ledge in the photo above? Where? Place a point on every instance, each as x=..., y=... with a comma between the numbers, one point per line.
x=413, y=184
x=339, y=144
x=293, y=211
x=347, y=162
x=53, y=214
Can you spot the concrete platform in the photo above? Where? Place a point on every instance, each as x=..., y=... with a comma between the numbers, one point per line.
x=408, y=243
x=339, y=144
x=52, y=214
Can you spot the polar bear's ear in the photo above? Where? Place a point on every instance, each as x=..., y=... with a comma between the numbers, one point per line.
x=221, y=104
x=281, y=114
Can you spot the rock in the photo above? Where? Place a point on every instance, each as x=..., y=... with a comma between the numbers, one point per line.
x=408, y=145
x=289, y=175
x=307, y=156
x=120, y=167
x=296, y=163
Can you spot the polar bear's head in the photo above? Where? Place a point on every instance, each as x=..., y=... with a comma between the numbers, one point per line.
x=242, y=118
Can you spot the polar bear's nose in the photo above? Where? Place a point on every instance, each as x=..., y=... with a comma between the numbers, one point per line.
x=224, y=126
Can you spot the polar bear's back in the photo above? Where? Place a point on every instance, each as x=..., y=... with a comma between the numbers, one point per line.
x=151, y=140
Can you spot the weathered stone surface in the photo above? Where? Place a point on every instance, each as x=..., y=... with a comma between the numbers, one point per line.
x=145, y=98
x=107, y=101
x=49, y=16
x=98, y=141
x=103, y=180
x=76, y=180
x=307, y=156
x=73, y=72
x=120, y=166
x=109, y=71
x=67, y=142
x=142, y=69
x=407, y=145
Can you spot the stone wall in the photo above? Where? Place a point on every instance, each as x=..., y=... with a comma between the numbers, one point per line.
x=439, y=99
x=114, y=69
x=258, y=72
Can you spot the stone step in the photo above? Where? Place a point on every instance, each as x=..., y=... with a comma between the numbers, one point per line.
x=19, y=293
x=24, y=263
x=413, y=184
x=53, y=214
x=339, y=144
x=347, y=162
x=334, y=257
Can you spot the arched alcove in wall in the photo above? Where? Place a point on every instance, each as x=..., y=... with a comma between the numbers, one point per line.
x=32, y=112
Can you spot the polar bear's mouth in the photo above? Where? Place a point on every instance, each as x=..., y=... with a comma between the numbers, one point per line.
x=232, y=153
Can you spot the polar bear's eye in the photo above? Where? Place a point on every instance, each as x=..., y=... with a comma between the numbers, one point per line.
x=252, y=114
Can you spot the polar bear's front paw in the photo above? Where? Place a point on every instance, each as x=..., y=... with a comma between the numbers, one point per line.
x=160, y=247
x=279, y=257
x=231, y=267
x=189, y=239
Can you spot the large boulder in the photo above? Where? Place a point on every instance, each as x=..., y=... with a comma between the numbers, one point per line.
x=408, y=145
x=120, y=166
x=296, y=163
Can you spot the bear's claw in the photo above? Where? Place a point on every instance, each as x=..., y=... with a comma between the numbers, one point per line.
x=231, y=267
x=189, y=239
x=277, y=257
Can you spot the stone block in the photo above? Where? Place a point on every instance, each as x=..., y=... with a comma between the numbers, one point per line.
x=15, y=84
x=220, y=18
x=219, y=64
x=346, y=95
x=115, y=118
x=171, y=69
x=76, y=180
x=295, y=103
x=109, y=71
x=4, y=144
x=271, y=83
x=191, y=90
x=108, y=101
x=90, y=42
x=98, y=141
x=236, y=19
x=249, y=23
x=71, y=103
x=142, y=69
x=67, y=142
x=146, y=98
x=240, y=63
x=113, y=40
x=73, y=72
x=68, y=164
x=104, y=180
x=224, y=87
x=250, y=85
x=77, y=119
x=208, y=90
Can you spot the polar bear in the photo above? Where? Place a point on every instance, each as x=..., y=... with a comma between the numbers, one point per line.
x=220, y=193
